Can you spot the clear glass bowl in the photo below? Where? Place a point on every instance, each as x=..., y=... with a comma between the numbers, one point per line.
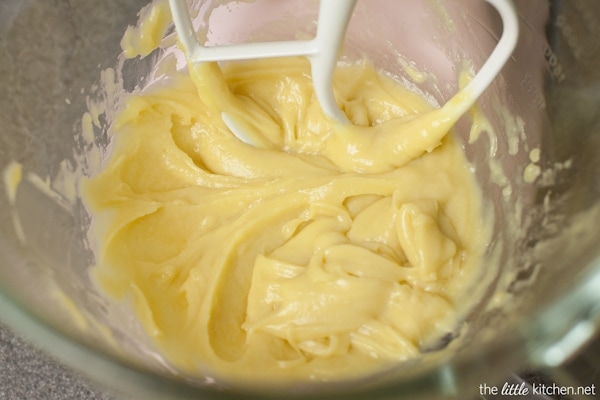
x=541, y=295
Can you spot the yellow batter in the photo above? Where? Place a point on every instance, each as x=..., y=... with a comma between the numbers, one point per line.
x=324, y=252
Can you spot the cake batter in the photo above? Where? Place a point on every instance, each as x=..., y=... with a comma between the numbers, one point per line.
x=322, y=252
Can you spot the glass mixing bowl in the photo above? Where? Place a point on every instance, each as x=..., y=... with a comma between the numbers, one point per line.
x=539, y=172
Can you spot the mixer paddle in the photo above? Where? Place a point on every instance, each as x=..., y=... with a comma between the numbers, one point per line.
x=322, y=51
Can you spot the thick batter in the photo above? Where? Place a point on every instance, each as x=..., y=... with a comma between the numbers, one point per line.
x=324, y=252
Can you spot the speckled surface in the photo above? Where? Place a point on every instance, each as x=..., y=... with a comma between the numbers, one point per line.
x=28, y=373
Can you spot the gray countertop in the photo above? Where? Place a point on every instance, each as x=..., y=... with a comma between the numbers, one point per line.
x=28, y=373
